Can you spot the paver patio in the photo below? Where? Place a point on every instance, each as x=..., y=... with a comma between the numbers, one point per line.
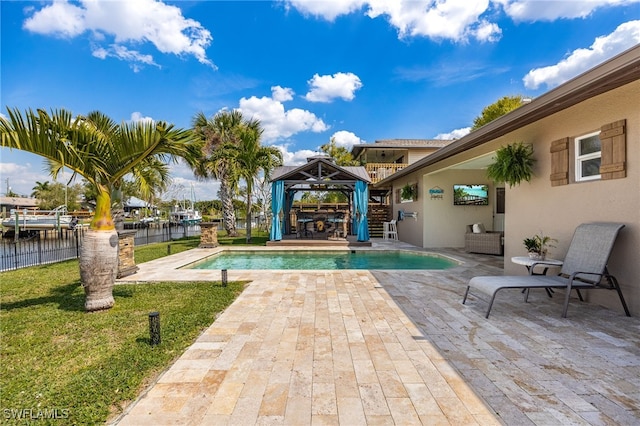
x=394, y=347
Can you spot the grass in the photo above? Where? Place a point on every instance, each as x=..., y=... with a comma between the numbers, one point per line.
x=155, y=251
x=54, y=356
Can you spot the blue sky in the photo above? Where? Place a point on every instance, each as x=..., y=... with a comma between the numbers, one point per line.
x=355, y=70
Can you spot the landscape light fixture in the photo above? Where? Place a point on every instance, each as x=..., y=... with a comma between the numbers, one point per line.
x=154, y=328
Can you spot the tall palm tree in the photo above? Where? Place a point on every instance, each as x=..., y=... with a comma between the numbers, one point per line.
x=251, y=159
x=103, y=152
x=213, y=133
x=40, y=188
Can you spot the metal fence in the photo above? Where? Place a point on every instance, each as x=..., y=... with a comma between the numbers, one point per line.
x=43, y=247
x=39, y=248
x=161, y=234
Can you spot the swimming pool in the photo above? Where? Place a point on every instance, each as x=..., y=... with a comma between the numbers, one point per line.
x=319, y=260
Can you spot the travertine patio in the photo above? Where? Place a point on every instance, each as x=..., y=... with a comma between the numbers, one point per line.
x=389, y=347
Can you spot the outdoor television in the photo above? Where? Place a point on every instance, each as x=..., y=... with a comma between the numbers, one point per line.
x=470, y=195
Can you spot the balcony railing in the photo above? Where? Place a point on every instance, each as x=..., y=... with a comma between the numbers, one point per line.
x=379, y=171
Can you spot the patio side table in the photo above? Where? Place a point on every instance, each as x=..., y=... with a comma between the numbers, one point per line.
x=530, y=264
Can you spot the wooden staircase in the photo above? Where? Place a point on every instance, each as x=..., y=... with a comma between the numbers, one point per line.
x=378, y=213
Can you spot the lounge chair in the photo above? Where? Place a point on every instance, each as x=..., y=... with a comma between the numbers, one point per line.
x=584, y=268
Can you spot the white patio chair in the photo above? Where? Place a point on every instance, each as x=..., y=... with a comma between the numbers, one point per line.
x=390, y=230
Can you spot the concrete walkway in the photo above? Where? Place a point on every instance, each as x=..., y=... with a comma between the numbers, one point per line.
x=394, y=347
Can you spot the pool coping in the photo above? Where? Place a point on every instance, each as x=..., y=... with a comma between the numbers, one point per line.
x=173, y=267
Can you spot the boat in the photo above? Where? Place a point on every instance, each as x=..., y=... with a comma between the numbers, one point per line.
x=186, y=214
x=25, y=219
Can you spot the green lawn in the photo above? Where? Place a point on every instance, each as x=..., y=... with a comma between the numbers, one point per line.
x=58, y=360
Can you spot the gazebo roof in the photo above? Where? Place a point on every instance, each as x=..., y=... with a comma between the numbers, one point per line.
x=320, y=169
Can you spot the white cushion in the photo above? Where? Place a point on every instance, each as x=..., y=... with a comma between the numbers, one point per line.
x=478, y=228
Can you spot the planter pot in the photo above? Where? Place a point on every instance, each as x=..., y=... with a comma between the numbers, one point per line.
x=98, y=268
x=537, y=256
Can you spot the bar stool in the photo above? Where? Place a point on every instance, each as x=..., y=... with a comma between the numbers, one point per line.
x=390, y=230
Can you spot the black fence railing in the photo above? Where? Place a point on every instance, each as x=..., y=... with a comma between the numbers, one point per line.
x=39, y=248
x=162, y=234
x=43, y=247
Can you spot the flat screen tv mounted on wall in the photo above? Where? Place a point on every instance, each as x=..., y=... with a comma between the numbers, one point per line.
x=470, y=195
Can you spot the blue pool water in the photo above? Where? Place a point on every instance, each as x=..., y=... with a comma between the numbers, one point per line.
x=319, y=260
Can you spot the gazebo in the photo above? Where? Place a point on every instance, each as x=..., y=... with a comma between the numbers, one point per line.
x=320, y=173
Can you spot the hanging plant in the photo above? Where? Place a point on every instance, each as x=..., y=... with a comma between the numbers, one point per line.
x=409, y=192
x=513, y=164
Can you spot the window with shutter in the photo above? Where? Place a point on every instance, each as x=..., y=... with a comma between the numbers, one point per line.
x=614, y=150
x=560, y=162
x=588, y=157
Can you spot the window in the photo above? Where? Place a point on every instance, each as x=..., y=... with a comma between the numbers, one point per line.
x=588, y=157
x=597, y=155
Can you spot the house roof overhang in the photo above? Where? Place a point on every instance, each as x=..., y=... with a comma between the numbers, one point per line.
x=399, y=144
x=18, y=202
x=615, y=72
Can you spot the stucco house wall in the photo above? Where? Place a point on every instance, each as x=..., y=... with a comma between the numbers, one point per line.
x=450, y=232
x=416, y=154
x=606, y=94
x=409, y=229
x=537, y=206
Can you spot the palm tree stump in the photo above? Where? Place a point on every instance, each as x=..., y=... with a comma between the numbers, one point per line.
x=98, y=268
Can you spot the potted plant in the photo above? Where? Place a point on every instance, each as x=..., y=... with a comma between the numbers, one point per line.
x=538, y=245
x=513, y=164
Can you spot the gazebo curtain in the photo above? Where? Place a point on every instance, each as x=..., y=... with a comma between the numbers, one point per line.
x=277, y=201
x=360, y=201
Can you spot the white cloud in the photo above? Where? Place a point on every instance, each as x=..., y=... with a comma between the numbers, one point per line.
x=532, y=10
x=326, y=88
x=134, y=57
x=21, y=177
x=128, y=22
x=137, y=116
x=487, y=31
x=295, y=158
x=183, y=181
x=282, y=94
x=346, y=139
x=580, y=60
x=449, y=19
x=277, y=122
x=456, y=20
x=59, y=18
x=454, y=134
x=326, y=9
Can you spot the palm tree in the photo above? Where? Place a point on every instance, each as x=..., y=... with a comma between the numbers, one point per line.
x=103, y=152
x=40, y=188
x=213, y=133
x=250, y=159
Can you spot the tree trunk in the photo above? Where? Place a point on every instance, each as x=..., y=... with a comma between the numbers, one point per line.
x=99, y=257
x=248, y=221
x=117, y=209
x=228, y=211
x=98, y=268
